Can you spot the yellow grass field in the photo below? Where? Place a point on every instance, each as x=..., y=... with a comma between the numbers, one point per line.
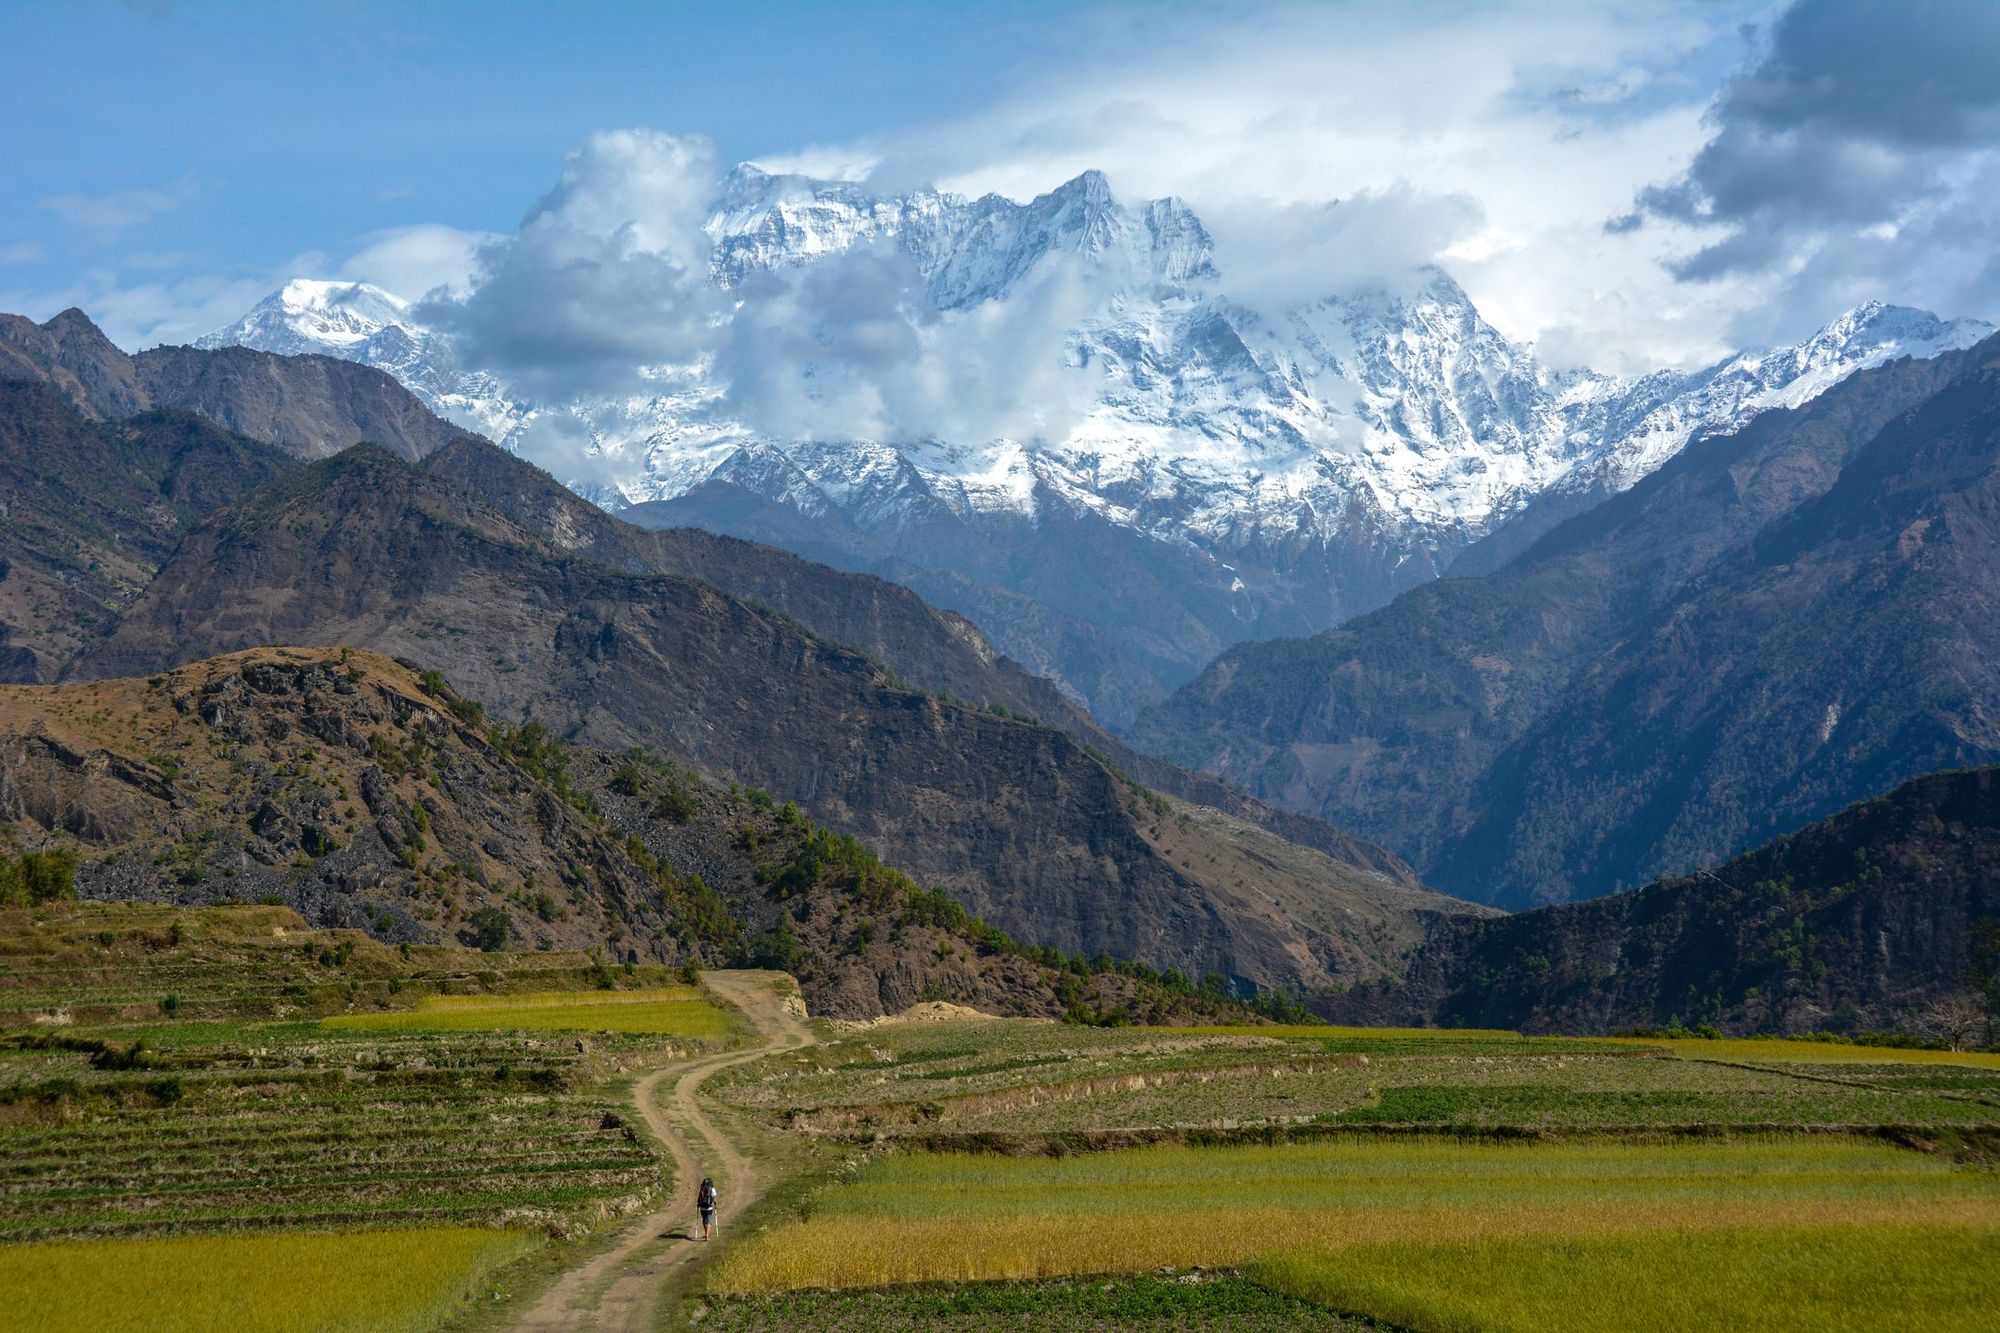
x=1748, y=1049
x=326, y=1282
x=1784, y=1279
x=673, y=1011
x=954, y=1218
x=1770, y=1050
x=1324, y=1033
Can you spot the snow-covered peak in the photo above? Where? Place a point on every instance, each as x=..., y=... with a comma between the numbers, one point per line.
x=310, y=314
x=1358, y=435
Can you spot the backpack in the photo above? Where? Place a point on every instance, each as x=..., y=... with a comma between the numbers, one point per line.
x=705, y=1196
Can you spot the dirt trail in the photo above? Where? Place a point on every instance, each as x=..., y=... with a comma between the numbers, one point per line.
x=629, y=1274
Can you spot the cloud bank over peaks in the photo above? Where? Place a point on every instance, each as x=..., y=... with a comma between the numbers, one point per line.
x=607, y=275
x=854, y=347
x=612, y=286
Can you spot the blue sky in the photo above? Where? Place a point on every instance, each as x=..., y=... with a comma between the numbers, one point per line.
x=1629, y=185
x=242, y=134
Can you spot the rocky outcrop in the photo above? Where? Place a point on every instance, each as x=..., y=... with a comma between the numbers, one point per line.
x=363, y=795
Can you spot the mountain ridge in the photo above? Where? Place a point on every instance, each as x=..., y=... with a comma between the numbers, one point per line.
x=1699, y=663
x=1852, y=924
x=1032, y=830
x=1246, y=473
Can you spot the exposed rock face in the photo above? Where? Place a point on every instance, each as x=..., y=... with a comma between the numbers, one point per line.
x=1774, y=624
x=1854, y=924
x=1017, y=819
x=365, y=797
x=308, y=406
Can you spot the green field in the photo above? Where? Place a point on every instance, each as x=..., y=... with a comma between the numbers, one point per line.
x=227, y=1092
x=305, y=1281
x=679, y=1011
x=1039, y=1081
x=1367, y=1172
x=1778, y=1277
x=931, y=1217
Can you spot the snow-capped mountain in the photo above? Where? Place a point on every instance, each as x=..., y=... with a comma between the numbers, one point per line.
x=1150, y=463
x=360, y=322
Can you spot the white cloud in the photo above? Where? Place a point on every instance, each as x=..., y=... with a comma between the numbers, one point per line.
x=1505, y=135
x=114, y=211
x=412, y=262
x=852, y=348
x=608, y=273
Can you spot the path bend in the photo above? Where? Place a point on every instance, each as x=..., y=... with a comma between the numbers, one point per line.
x=630, y=1280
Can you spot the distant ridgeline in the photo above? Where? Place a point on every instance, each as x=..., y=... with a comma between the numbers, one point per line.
x=148, y=537
x=1865, y=922
x=1775, y=624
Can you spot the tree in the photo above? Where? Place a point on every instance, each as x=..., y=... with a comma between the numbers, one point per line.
x=1953, y=1019
x=489, y=928
x=38, y=877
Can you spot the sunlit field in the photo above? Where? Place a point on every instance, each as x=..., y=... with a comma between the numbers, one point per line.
x=1779, y=1278
x=1757, y=1050
x=1034, y=1081
x=283, y=1281
x=920, y=1217
x=679, y=1011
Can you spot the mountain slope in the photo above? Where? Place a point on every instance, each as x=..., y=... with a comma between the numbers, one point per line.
x=1704, y=661
x=1018, y=819
x=1187, y=469
x=309, y=406
x=1853, y=924
x=366, y=796
x=91, y=509
x=935, y=651
x=82, y=544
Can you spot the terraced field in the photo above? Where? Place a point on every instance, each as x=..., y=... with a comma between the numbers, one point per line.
x=205, y=1092
x=1360, y=1172
x=182, y=1076
x=669, y=1011
x=950, y=1084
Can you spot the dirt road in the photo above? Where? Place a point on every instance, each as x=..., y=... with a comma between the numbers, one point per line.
x=616, y=1289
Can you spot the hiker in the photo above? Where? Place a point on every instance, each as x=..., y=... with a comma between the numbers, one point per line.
x=704, y=1201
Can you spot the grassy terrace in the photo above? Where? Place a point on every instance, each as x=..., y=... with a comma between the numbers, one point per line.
x=1036, y=1081
x=375, y=1281
x=1431, y=1180
x=924, y=1217
x=189, y=1073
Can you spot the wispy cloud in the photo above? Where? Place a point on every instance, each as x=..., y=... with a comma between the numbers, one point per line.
x=113, y=211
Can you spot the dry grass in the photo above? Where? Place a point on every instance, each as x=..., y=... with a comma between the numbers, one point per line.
x=932, y=1218
x=1335, y=1034
x=677, y=1011
x=325, y=1282
x=1773, y=1050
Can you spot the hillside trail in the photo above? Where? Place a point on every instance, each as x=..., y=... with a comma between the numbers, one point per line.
x=616, y=1289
